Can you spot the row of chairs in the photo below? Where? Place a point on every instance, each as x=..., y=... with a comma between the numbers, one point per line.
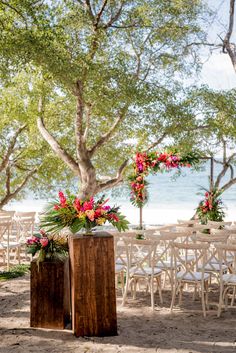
x=15, y=228
x=183, y=256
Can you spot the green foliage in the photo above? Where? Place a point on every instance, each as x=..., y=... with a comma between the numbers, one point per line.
x=14, y=272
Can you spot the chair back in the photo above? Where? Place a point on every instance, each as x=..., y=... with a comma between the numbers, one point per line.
x=181, y=252
x=226, y=252
x=142, y=254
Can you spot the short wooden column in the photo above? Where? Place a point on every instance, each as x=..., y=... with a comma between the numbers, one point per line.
x=93, y=293
x=50, y=294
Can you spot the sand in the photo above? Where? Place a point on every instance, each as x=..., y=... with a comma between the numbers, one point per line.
x=140, y=329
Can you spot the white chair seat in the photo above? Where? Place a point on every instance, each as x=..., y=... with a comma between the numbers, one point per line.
x=13, y=244
x=147, y=271
x=214, y=267
x=188, y=258
x=167, y=264
x=119, y=268
x=194, y=276
x=228, y=278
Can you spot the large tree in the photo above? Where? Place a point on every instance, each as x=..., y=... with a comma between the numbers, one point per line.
x=115, y=60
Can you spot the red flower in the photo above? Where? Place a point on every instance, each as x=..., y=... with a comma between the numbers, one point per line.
x=88, y=205
x=77, y=204
x=56, y=207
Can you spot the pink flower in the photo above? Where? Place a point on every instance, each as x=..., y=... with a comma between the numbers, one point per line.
x=42, y=232
x=62, y=199
x=56, y=207
x=90, y=214
x=44, y=242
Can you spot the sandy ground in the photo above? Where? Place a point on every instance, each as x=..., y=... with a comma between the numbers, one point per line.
x=140, y=330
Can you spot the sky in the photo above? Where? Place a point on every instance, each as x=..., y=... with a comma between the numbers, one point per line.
x=217, y=70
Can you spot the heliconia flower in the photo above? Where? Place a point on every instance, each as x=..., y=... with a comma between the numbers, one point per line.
x=56, y=207
x=44, y=242
x=114, y=217
x=206, y=194
x=62, y=199
x=88, y=205
x=90, y=214
x=77, y=204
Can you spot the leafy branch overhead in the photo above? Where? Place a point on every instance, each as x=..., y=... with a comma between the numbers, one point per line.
x=107, y=57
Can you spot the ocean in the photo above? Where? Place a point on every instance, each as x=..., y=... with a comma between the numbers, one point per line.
x=170, y=198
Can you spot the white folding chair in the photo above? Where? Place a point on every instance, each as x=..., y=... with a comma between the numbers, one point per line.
x=142, y=254
x=25, y=222
x=6, y=245
x=190, y=273
x=227, y=279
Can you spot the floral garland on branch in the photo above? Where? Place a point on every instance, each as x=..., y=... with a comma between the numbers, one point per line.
x=153, y=162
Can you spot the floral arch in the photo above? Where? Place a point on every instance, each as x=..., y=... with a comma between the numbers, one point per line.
x=146, y=163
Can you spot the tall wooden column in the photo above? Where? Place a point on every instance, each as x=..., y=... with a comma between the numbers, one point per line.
x=93, y=285
x=50, y=294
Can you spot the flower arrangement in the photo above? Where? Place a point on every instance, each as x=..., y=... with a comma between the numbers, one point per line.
x=211, y=208
x=154, y=162
x=48, y=246
x=78, y=214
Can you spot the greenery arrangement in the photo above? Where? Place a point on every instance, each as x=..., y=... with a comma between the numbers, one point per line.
x=78, y=214
x=211, y=208
x=48, y=246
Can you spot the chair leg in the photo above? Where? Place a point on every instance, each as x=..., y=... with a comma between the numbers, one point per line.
x=180, y=294
x=173, y=297
x=203, y=300
x=206, y=294
x=159, y=289
x=152, y=293
x=127, y=284
x=233, y=297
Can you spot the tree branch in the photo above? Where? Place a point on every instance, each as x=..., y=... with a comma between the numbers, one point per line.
x=79, y=114
x=228, y=184
x=88, y=120
x=89, y=9
x=106, y=137
x=114, y=181
x=156, y=143
x=11, y=195
x=229, y=47
x=10, y=149
x=100, y=12
x=115, y=17
x=59, y=151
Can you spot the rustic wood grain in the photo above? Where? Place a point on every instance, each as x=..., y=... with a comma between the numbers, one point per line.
x=50, y=294
x=93, y=285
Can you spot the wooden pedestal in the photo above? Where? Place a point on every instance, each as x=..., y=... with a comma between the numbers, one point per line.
x=93, y=285
x=50, y=294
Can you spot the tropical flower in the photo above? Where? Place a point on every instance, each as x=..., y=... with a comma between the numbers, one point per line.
x=47, y=246
x=153, y=162
x=80, y=214
x=211, y=208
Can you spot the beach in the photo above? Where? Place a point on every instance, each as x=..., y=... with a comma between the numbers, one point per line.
x=139, y=329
